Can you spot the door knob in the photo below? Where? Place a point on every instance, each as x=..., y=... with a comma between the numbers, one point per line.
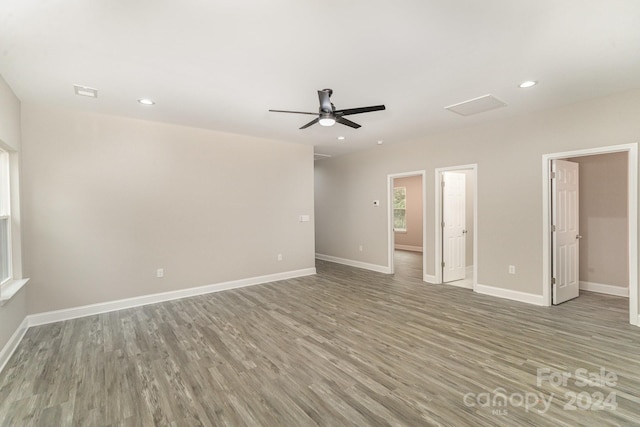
x=464, y=231
x=578, y=237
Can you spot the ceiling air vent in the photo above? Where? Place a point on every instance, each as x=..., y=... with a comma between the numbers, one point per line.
x=318, y=156
x=476, y=105
x=85, y=91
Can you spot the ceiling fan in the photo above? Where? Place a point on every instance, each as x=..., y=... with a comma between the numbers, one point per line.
x=328, y=115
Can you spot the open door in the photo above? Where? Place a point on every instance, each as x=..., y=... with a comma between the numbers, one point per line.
x=453, y=226
x=565, y=235
x=408, y=213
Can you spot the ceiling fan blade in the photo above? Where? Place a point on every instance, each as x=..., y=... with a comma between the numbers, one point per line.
x=325, y=101
x=350, y=111
x=294, y=112
x=312, y=122
x=347, y=122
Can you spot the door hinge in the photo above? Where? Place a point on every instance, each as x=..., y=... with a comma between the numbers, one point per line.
x=553, y=175
x=553, y=280
x=553, y=228
x=442, y=263
x=442, y=224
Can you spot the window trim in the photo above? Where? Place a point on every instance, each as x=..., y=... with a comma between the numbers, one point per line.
x=9, y=209
x=5, y=210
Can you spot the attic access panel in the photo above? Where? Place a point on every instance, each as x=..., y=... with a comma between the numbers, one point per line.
x=476, y=105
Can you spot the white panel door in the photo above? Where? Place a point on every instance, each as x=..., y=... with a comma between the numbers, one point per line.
x=565, y=230
x=453, y=226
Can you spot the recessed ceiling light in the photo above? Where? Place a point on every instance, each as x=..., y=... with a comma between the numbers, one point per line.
x=341, y=138
x=380, y=142
x=146, y=101
x=528, y=83
x=85, y=91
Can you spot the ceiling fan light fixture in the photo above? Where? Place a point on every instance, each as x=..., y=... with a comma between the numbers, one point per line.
x=327, y=121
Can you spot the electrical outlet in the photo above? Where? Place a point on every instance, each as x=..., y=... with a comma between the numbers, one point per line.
x=512, y=269
x=160, y=272
x=279, y=257
x=360, y=248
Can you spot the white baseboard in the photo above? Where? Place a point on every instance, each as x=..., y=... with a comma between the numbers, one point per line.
x=11, y=345
x=408, y=248
x=604, y=289
x=464, y=284
x=468, y=273
x=105, y=307
x=353, y=263
x=429, y=278
x=510, y=294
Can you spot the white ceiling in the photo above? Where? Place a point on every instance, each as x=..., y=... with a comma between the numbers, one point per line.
x=222, y=64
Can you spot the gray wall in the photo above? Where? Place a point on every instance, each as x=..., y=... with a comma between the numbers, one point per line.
x=108, y=200
x=509, y=157
x=14, y=311
x=9, y=116
x=604, y=219
x=413, y=236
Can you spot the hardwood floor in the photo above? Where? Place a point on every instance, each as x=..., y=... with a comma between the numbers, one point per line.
x=344, y=347
x=407, y=264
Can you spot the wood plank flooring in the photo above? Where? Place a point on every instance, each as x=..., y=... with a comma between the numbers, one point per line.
x=344, y=347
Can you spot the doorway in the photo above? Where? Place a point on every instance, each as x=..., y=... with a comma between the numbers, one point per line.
x=553, y=263
x=407, y=222
x=456, y=226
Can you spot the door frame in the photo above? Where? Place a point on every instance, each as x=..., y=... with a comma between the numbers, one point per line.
x=438, y=220
x=391, y=234
x=632, y=201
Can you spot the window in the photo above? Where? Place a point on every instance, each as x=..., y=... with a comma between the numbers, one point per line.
x=400, y=209
x=5, y=220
